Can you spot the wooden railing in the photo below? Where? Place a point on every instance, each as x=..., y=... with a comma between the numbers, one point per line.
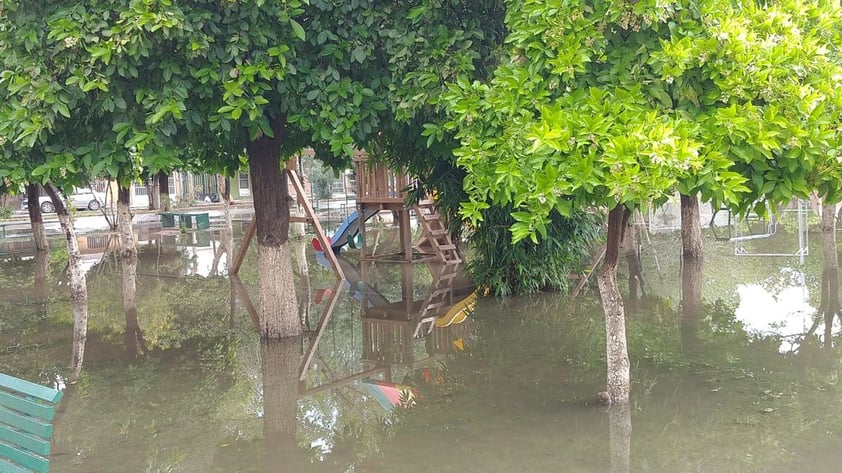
x=376, y=184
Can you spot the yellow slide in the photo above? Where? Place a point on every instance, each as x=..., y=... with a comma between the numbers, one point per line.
x=459, y=312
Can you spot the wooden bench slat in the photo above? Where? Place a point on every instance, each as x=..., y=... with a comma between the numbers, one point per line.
x=24, y=441
x=26, y=406
x=9, y=467
x=26, y=413
x=24, y=458
x=26, y=423
x=11, y=383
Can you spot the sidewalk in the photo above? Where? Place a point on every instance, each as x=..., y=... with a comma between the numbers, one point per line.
x=94, y=221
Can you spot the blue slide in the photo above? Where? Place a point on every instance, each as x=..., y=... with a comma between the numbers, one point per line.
x=349, y=227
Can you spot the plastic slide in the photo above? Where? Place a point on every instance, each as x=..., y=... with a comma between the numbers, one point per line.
x=350, y=227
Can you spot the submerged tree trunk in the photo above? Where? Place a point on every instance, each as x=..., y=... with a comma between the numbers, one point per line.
x=133, y=336
x=829, y=305
x=691, y=227
x=36, y=220
x=78, y=283
x=164, y=191
x=617, y=356
x=691, y=301
x=278, y=307
x=619, y=437
x=128, y=256
x=280, y=363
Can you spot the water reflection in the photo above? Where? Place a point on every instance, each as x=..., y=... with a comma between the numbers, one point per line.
x=782, y=309
x=511, y=387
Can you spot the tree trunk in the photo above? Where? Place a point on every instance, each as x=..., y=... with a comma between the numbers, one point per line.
x=632, y=254
x=36, y=220
x=164, y=191
x=42, y=271
x=128, y=248
x=190, y=188
x=617, y=356
x=691, y=302
x=278, y=308
x=155, y=192
x=128, y=256
x=279, y=360
x=829, y=305
x=619, y=437
x=691, y=227
x=78, y=283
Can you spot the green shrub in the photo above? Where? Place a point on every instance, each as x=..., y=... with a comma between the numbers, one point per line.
x=504, y=268
x=5, y=212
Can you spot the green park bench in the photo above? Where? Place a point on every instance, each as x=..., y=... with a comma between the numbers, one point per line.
x=185, y=219
x=26, y=425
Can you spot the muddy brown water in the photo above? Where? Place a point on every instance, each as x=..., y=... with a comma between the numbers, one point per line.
x=183, y=384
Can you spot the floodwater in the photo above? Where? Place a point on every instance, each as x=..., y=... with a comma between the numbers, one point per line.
x=185, y=385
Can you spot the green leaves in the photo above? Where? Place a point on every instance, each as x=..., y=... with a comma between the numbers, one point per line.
x=297, y=29
x=625, y=104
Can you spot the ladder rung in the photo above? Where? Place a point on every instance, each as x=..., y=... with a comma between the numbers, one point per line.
x=447, y=247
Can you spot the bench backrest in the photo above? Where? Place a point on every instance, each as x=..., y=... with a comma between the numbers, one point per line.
x=26, y=424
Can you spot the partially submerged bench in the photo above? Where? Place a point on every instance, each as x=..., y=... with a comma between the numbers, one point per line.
x=26, y=425
x=185, y=219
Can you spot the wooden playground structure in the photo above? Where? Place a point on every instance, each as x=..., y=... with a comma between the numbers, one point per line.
x=378, y=189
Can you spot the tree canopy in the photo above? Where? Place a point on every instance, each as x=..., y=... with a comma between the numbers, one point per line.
x=605, y=103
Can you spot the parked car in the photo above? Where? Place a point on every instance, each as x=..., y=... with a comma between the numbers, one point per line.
x=82, y=198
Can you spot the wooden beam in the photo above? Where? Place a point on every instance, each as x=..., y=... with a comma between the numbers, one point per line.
x=320, y=233
x=341, y=382
x=243, y=293
x=320, y=329
x=241, y=255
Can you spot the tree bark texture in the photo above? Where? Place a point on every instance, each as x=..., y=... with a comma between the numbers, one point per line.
x=617, y=356
x=278, y=307
x=78, y=283
x=691, y=301
x=155, y=192
x=691, y=227
x=36, y=220
x=164, y=191
x=829, y=305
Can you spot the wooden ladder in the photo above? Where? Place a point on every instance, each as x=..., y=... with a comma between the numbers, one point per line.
x=435, y=233
x=440, y=294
